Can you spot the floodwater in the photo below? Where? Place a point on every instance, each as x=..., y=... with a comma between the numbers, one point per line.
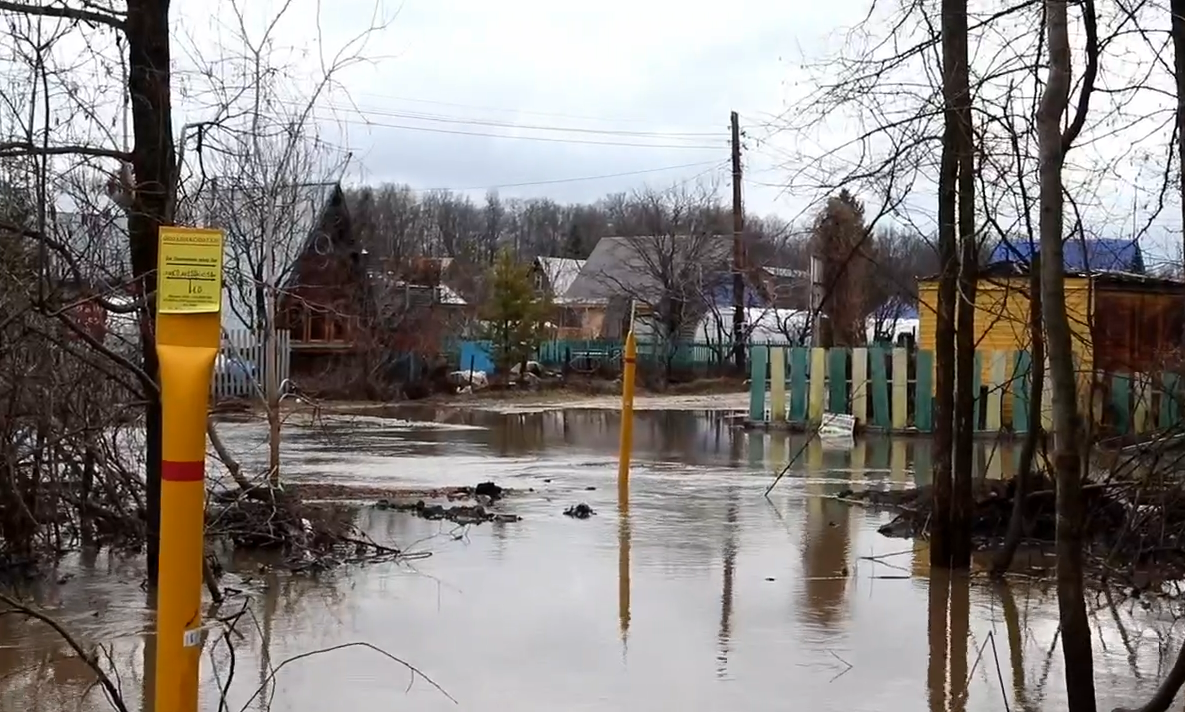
x=696, y=594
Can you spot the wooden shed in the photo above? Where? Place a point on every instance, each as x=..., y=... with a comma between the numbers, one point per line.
x=1121, y=322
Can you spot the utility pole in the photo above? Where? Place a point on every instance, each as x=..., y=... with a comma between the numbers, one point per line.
x=738, y=251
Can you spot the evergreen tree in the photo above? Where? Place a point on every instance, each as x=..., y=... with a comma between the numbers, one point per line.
x=515, y=315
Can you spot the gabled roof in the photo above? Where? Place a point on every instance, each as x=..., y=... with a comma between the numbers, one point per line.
x=1093, y=255
x=786, y=272
x=633, y=267
x=98, y=242
x=561, y=274
x=288, y=215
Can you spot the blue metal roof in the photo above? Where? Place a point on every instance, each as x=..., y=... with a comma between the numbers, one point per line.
x=1109, y=255
x=721, y=295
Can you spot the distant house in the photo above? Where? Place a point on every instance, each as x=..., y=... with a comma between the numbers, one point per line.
x=415, y=307
x=99, y=266
x=1122, y=320
x=787, y=288
x=554, y=276
x=657, y=277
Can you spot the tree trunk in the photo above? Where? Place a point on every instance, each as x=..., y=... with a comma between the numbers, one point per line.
x=957, y=74
x=154, y=166
x=936, y=632
x=1176, y=678
x=1028, y=452
x=966, y=412
x=944, y=382
x=1177, y=8
x=1075, y=627
x=960, y=632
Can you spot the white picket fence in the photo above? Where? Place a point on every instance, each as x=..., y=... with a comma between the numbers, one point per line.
x=240, y=368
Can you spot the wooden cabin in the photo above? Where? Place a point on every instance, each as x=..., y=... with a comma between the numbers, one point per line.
x=324, y=300
x=1121, y=323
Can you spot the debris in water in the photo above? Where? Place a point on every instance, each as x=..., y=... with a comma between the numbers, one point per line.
x=579, y=511
x=488, y=489
x=460, y=514
x=590, y=488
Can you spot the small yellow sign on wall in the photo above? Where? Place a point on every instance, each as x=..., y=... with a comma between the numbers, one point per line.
x=189, y=273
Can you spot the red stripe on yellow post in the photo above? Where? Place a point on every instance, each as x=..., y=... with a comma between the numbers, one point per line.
x=183, y=471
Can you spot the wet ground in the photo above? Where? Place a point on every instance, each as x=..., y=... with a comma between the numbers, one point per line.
x=696, y=594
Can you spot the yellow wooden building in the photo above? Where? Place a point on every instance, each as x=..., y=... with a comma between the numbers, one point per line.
x=1121, y=322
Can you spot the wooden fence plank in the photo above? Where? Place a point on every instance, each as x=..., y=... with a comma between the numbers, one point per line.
x=1020, y=384
x=1121, y=402
x=1142, y=393
x=900, y=388
x=1170, y=406
x=837, y=380
x=860, y=385
x=799, y=365
x=976, y=395
x=880, y=388
x=777, y=383
x=757, y=360
x=995, y=397
x=818, y=382
x=924, y=393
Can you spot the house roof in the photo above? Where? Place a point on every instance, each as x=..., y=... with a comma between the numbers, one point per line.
x=786, y=273
x=1094, y=255
x=98, y=242
x=1007, y=270
x=561, y=273
x=640, y=267
x=290, y=214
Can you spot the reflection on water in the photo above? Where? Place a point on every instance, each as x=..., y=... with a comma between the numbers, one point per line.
x=688, y=591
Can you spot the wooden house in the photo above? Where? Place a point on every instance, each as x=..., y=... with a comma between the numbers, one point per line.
x=554, y=276
x=1122, y=322
x=649, y=273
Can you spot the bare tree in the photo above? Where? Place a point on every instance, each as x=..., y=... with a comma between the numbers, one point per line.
x=662, y=269
x=65, y=38
x=260, y=170
x=1053, y=144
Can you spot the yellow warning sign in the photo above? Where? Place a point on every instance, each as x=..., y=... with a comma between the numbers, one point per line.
x=189, y=274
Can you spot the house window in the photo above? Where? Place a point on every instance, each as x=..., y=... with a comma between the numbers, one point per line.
x=318, y=326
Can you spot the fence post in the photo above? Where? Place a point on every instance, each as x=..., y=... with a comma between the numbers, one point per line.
x=924, y=393
x=777, y=383
x=757, y=383
x=818, y=384
x=995, y=396
x=900, y=388
x=799, y=361
x=860, y=384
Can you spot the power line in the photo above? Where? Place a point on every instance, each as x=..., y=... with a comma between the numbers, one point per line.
x=576, y=180
x=429, y=129
x=576, y=117
x=446, y=119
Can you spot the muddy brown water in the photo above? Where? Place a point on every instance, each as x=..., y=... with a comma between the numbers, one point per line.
x=701, y=595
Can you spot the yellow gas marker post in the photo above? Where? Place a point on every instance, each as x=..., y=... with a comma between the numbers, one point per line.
x=628, y=371
x=188, y=335
x=627, y=414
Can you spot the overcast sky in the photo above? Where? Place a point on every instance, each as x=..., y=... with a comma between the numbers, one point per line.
x=659, y=76
x=575, y=100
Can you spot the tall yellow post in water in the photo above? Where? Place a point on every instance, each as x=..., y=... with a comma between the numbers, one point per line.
x=188, y=331
x=628, y=372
